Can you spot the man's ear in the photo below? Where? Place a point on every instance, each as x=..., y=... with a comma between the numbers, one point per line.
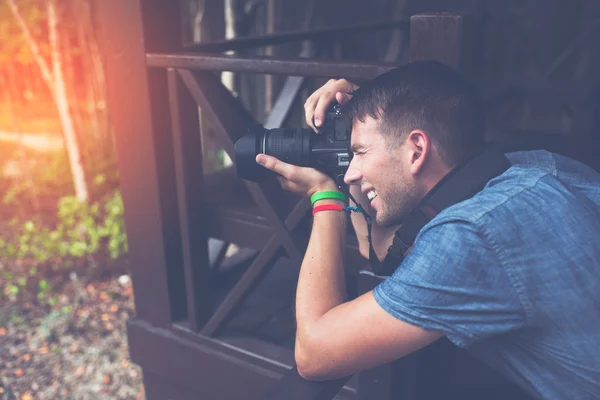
x=419, y=147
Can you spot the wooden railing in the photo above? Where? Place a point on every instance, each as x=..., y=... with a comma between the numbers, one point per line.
x=169, y=211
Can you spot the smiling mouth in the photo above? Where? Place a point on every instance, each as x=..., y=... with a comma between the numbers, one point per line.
x=371, y=194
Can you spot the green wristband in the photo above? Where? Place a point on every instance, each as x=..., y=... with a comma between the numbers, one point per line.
x=330, y=194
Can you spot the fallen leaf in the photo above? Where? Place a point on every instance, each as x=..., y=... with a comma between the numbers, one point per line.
x=125, y=363
x=26, y=396
x=105, y=317
x=79, y=371
x=19, y=372
x=2, y=331
x=74, y=347
x=27, y=357
x=114, y=308
x=43, y=349
x=106, y=379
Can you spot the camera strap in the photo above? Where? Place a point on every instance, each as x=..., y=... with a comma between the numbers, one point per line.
x=459, y=184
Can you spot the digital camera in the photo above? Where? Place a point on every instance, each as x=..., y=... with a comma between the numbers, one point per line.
x=327, y=151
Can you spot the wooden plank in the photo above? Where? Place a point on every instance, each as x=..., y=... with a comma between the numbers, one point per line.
x=207, y=367
x=294, y=387
x=269, y=65
x=138, y=100
x=452, y=39
x=436, y=37
x=246, y=43
x=445, y=38
x=200, y=365
x=158, y=388
x=375, y=383
x=266, y=350
x=252, y=276
x=192, y=213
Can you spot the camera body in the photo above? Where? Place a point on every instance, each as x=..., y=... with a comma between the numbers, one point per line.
x=327, y=151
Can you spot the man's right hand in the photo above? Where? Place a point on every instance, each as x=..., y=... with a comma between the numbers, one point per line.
x=318, y=102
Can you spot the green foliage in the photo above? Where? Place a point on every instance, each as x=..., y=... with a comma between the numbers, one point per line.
x=83, y=230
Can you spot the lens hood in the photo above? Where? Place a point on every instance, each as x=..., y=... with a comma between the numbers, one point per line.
x=246, y=149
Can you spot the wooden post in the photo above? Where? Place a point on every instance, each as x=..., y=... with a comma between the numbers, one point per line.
x=139, y=106
x=450, y=39
x=453, y=39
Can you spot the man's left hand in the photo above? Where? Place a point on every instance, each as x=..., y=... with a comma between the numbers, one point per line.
x=304, y=181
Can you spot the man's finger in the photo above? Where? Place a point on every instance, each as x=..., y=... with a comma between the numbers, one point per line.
x=309, y=107
x=275, y=165
x=342, y=98
x=321, y=108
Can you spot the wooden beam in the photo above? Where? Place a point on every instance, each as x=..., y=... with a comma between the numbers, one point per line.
x=138, y=100
x=453, y=39
x=268, y=65
x=195, y=364
x=255, y=272
x=190, y=194
x=445, y=38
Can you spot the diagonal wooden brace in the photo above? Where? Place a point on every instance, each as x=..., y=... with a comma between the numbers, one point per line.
x=253, y=274
x=231, y=121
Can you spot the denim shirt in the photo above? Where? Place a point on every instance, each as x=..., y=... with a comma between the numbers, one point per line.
x=513, y=275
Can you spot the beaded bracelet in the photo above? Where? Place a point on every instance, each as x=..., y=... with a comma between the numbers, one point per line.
x=329, y=194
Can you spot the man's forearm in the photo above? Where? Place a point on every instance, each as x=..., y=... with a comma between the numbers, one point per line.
x=321, y=284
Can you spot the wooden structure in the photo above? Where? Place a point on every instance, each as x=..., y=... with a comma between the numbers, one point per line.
x=180, y=334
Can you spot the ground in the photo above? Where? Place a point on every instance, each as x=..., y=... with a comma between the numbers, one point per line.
x=75, y=348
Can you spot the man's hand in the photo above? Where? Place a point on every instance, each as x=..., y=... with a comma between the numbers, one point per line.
x=318, y=102
x=300, y=180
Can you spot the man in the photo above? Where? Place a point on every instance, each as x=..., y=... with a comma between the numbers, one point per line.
x=511, y=274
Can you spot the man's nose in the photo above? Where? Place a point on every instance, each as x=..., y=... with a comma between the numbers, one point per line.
x=352, y=176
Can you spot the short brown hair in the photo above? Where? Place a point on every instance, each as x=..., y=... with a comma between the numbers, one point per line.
x=425, y=95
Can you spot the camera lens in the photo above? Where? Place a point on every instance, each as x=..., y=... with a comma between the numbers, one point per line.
x=246, y=148
x=289, y=145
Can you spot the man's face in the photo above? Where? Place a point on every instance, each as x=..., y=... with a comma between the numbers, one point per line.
x=382, y=172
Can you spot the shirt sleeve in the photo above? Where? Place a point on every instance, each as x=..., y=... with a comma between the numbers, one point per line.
x=453, y=282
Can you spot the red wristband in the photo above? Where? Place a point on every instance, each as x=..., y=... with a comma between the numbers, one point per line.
x=327, y=207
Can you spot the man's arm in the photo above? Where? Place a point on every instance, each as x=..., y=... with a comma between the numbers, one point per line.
x=335, y=338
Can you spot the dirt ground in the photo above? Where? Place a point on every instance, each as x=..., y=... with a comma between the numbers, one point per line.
x=74, y=347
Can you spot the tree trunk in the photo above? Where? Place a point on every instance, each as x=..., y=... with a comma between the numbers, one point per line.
x=56, y=83
x=62, y=103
